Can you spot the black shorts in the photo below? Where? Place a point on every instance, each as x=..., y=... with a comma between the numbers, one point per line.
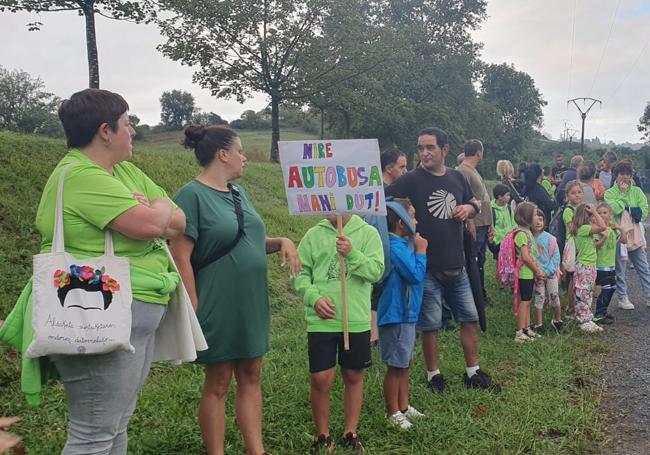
x=526, y=289
x=606, y=278
x=322, y=348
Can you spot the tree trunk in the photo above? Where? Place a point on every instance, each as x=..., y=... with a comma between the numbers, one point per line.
x=346, y=124
x=91, y=44
x=275, y=127
x=322, y=123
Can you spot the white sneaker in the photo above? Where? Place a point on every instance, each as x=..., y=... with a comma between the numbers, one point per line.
x=413, y=413
x=531, y=333
x=522, y=338
x=625, y=304
x=590, y=327
x=399, y=420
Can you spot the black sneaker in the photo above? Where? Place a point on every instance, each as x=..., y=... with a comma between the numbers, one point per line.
x=481, y=380
x=603, y=320
x=353, y=442
x=557, y=325
x=539, y=329
x=437, y=383
x=323, y=444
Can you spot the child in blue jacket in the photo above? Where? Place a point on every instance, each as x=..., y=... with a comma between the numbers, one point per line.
x=398, y=309
x=548, y=257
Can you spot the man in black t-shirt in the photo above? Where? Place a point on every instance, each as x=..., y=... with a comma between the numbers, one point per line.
x=443, y=201
x=559, y=169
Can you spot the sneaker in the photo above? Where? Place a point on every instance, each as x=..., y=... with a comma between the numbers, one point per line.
x=481, y=380
x=521, y=337
x=400, y=421
x=557, y=325
x=352, y=441
x=539, y=330
x=625, y=304
x=323, y=444
x=531, y=333
x=603, y=320
x=413, y=413
x=590, y=327
x=437, y=383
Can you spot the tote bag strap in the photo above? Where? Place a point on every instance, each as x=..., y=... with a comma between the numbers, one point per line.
x=58, y=242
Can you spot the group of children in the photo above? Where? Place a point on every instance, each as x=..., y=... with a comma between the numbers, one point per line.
x=587, y=259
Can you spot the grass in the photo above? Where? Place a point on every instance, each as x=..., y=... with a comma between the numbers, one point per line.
x=551, y=388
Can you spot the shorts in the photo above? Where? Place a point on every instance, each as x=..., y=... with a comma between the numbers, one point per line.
x=322, y=348
x=526, y=288
x=396, y=344
x=605, y=277
x=456, y=293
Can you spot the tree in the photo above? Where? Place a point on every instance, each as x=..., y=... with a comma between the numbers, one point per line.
x=25, y=106
x=248, y=46
x=644, y=124
x=207, y=118
x=177, y=108
x=113, y=9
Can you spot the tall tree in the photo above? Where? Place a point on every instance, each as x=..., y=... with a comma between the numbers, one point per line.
x=176, y=109
x=112, y=9
x=644, y=124
x=247, y=46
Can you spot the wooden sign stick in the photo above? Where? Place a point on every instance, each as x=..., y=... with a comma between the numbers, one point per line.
x=344, y=305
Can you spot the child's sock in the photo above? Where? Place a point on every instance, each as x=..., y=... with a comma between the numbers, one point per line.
x=431, y=374
x=471, y=371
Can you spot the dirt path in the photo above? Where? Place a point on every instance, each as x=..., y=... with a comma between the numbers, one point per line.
x=626, y=399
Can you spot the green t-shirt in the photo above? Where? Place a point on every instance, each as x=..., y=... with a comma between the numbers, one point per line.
x=567, y=216
x=548, y=186
x=521, y=239
x=233, y=309
x=606, y=254
x=585, y=246
x=92, y=198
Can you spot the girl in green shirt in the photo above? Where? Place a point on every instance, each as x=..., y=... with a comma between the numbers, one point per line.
x=586, y=222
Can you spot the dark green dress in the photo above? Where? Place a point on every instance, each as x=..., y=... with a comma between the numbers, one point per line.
x=233, y=295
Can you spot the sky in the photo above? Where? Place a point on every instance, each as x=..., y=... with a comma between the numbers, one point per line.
x=571, y=48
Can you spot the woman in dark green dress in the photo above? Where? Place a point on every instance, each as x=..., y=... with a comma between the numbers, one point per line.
x=222, y=260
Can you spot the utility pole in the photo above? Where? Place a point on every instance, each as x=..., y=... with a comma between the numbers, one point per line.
x=583, y=114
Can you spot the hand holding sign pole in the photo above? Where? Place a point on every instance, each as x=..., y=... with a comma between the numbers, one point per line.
x=334, y=178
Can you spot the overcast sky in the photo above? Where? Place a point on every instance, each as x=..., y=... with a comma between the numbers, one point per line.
x=604, y=53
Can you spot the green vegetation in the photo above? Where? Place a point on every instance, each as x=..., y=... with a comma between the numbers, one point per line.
x=551, y=388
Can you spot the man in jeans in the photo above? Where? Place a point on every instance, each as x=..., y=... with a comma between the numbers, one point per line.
x=443, y=202
x=481, y=226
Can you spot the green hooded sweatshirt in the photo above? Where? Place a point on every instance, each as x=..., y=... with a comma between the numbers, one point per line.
x=321, y=275
x=618, y=201
x=504, y=221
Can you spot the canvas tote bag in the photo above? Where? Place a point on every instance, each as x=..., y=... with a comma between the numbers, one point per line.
x=79, y=306
x=635, y=232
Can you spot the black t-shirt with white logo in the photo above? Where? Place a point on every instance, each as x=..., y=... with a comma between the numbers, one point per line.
x=434, y=198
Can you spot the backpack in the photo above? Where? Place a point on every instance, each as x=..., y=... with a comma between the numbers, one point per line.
x=557, y=228
x=380, y=223
x=508, y=265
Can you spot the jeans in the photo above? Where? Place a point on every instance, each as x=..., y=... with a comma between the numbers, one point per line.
x=481, y=244
x=102, y=390
x=639, y=258
x=607, y=281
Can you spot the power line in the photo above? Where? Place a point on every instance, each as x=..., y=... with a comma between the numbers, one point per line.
x=573, y=39
x=602, y=56
x=583, y=114
x=629, y=73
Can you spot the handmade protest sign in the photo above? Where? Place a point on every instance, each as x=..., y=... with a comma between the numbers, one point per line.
x=333, y=177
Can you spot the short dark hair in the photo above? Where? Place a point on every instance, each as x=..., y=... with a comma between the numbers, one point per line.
x=441, y=136
x=393, y=218
x=500, y=190
x=546, y=170
x=623, y=167
x=206, y=140
x=390, y=157
x=559, y=155
x=86, y=111
x=472, y=147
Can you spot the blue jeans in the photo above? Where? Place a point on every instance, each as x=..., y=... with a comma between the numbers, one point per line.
x=481, y=245
x=102, y=390
x=456, y=293
x=639, y=258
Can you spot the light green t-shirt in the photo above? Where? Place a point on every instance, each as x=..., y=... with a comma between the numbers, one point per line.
x=585, y=246
x=606, y=254
x=92, y=198
x=521, y=239
x=567, y=216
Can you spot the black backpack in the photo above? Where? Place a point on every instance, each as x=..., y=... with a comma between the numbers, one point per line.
x=557, y=227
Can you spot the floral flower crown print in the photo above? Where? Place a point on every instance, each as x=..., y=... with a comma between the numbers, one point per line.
x=88, y=279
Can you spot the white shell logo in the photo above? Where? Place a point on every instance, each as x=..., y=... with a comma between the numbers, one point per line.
x=441, y=203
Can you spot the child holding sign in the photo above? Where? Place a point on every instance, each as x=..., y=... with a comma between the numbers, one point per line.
x=319, y=285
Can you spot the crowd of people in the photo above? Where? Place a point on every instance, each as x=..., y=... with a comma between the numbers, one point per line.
x=426, y=266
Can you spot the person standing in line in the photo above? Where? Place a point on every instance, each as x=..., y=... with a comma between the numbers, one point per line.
x=443, y=202
x=506, y=173
x=569, y=175
x=481, y=227
x=559, y=169
x=605, y=174
x=535, y=192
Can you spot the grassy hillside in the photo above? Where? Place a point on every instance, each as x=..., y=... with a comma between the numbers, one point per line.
x=551, y=388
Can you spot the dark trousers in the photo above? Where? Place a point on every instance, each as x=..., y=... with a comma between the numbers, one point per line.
x=607, y=281
x=481, y=245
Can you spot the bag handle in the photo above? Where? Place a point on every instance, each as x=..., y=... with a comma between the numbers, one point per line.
x=58, y=241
